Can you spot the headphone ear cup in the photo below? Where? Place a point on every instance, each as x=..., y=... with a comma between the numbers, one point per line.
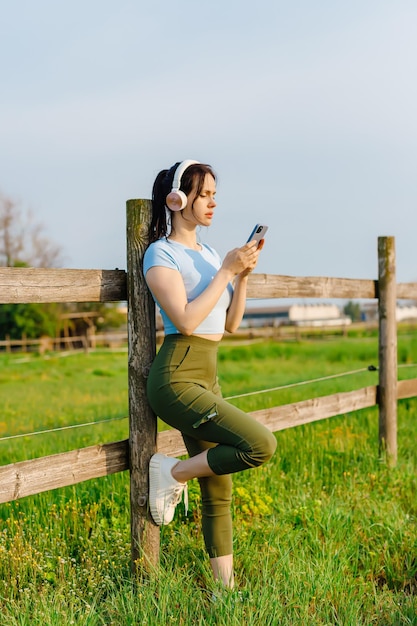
x=176, y=200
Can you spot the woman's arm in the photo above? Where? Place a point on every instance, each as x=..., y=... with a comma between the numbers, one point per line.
x=237, y=307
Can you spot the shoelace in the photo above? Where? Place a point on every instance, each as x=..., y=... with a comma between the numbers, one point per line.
x=178, y=491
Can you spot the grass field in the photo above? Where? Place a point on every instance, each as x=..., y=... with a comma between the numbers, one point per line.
x=324, y=534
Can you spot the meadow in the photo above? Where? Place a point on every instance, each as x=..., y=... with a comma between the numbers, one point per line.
x=325, y=534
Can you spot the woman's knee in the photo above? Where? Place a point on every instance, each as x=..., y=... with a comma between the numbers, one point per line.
x=271, y=445
x=265, y=448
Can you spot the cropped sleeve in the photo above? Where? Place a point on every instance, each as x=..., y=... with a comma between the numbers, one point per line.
x=158, y=255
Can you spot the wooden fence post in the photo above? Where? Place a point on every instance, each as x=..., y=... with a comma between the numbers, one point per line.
x=142, y=421
x=387, y=393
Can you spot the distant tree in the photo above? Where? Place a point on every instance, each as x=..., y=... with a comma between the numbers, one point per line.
x=22, y=240
x=32, y=320
x=353, y=310
x=23, y=244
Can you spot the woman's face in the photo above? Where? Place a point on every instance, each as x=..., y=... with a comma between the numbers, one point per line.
x=200, y=208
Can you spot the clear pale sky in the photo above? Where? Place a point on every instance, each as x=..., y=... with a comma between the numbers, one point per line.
x=306, y=110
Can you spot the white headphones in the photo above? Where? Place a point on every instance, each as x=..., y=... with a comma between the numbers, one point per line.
x=176, y=200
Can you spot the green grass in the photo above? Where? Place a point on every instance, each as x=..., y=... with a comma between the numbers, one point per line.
x=44, y=394
x=324, y=534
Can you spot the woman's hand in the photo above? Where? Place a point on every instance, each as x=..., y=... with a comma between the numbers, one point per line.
x=241, y=261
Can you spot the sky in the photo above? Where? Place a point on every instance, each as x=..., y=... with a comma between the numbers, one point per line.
x=306, y=110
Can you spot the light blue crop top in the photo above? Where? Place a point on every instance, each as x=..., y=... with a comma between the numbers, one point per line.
x=197, y=268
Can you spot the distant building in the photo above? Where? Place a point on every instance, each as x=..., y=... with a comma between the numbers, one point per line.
x=404, y=312
x=296, y=315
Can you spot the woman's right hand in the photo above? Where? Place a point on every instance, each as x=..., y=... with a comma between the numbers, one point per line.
x=242, y=259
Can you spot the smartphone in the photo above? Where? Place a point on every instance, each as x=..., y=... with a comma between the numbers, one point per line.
x=258, y=233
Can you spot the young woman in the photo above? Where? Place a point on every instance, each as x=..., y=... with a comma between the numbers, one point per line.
x=199, y=296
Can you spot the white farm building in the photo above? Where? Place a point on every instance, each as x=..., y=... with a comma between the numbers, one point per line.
x=296, y=315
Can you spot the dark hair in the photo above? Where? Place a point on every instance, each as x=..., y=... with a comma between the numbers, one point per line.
x=194, y=175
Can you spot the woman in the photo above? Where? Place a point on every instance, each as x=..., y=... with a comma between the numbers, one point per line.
x=199, y=297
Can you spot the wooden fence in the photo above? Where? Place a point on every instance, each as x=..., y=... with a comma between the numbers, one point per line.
x=73, y=342
x=23, y=285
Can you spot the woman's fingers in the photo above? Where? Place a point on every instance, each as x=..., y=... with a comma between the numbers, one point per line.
x=244, y=258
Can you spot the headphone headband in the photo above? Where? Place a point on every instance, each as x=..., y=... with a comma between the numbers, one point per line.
x=176, y=184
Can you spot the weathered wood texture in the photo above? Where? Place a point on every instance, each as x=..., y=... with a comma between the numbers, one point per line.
x=387, y=302
x=407, y=291
x=69, y=468
x=61, y=470
x=142, y=348
x=274, y=286
x=407, y=388
x=23, y=285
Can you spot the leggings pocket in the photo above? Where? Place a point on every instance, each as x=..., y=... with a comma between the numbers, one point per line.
x=179, y=356
x=207, y=417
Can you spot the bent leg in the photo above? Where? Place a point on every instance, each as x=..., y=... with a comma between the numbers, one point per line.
x=202, y=415
x=243, y=442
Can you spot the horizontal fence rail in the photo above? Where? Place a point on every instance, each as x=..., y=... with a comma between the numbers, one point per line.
x=275, y=286
x=407, y=291
x=28, y=478
x=25, y=285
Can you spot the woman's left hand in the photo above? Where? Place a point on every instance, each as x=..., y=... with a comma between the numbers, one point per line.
x=254, y=250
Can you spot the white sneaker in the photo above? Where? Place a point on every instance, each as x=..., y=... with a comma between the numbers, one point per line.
x=164, y=491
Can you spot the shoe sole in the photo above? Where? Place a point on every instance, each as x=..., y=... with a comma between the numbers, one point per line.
x=154, y=472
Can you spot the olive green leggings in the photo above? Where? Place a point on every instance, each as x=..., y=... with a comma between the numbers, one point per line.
x=183, y=391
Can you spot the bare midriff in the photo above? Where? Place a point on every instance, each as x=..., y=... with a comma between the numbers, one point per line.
x=216, y=337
